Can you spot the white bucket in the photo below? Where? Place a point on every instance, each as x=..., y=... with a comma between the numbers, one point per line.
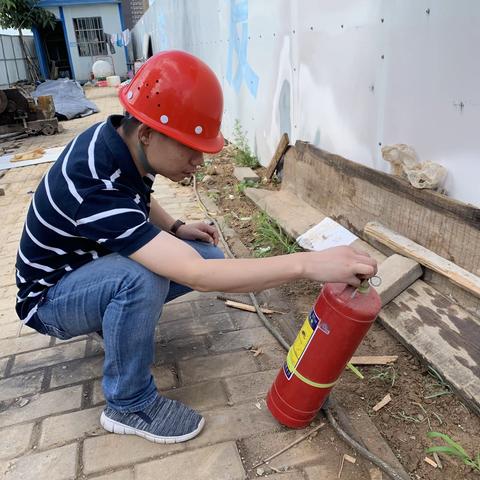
x=113, y=81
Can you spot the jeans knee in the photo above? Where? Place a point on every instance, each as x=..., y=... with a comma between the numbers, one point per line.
x=142, y=283
x=214, y=252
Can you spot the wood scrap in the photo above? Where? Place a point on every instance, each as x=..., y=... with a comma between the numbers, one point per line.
x=424, y=256
x=281, y=148
x=430, y=462
x=296, y=442
x=386, y=399
x=349, y=459
x=30, y=155
x=374, y=359
x=249, y=308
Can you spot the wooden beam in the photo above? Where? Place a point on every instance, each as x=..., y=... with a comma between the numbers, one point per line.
x=281, y=148
x=422, y=255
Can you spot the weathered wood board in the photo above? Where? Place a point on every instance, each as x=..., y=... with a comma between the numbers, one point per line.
x=444, y=335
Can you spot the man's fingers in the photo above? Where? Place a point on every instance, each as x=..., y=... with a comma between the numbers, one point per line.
x=365, y=270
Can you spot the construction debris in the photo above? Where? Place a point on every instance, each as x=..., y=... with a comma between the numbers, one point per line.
x=349, y=459
x=374, y=359
x=30, y=155
x=430, y=462
x=386, y=399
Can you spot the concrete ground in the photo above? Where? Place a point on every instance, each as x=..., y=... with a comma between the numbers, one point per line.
x=50, y=393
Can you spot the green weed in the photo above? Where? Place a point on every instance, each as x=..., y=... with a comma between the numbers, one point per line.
x=454, y=449
x=439, y=387
x=271, y=239
x=387, y=375
x=243, y=155
x=241, y=186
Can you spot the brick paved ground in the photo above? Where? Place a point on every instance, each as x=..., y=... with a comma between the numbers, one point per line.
x=50, y=394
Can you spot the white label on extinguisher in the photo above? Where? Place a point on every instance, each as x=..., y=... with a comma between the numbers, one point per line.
x=300, y=344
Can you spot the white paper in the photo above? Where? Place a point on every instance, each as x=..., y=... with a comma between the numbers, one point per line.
x=326, y=234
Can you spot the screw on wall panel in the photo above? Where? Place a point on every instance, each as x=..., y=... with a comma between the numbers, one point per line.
x=311, y=28
x=341, y=26
x=371, y=88
x=293, y=32
x=382, y=57
x=460, y=106
x=427, y=11
x=379, y=144
x=382, y=20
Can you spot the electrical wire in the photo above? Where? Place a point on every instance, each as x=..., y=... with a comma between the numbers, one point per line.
x=329, y=406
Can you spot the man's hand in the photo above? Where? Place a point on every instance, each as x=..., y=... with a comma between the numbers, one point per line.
x=198, y=231
x=340, y=264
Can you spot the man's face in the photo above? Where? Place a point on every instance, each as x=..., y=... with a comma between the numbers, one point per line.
x=170, y=158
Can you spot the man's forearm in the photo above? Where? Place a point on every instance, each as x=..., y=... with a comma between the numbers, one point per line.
x=159, y=217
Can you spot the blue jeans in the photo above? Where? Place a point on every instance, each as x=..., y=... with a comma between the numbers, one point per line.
x=125, y=300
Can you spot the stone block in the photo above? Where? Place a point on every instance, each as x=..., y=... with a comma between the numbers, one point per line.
x=307, y=452
x=272, y=357
x=112, y=451
x=13, y=387
x=64, y=428
x=215, y=366
x=199, y=326
x=244, y=174
x=252, y=386
x=245, y=319
x=219, y=462
x=57, y=464
x=120, y=475
x=11, y=346
x=176, y=311
x=42, y=405
x=48, y=356
x=201, y=396
x=180, y=349
x=164, y=377
x=3, y=366
x=209, y=306
x=233, y=423
x=241, y=339
x=73, y=372
x=10, y=330
x=14, y=440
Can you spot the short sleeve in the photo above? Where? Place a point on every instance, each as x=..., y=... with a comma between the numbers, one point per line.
x=115, y=220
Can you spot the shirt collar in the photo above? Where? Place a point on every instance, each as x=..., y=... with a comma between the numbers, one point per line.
x=122, y=155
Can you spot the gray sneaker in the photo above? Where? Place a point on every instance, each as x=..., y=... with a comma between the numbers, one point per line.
x=164, y=421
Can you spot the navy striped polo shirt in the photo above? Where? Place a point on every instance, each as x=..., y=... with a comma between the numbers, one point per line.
x=92, y=202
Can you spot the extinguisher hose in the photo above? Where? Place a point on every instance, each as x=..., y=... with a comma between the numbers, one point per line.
x=328, y=407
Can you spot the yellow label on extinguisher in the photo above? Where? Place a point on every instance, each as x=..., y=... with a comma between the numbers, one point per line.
x=300, y=344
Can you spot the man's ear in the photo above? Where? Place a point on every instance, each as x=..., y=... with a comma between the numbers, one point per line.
x=144, y=134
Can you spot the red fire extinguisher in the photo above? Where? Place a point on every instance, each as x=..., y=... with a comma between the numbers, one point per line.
x=326, y=342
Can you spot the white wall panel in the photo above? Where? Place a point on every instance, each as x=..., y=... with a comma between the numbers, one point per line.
x=346, y=75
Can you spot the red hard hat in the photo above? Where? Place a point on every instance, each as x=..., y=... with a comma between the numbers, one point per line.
x=178, y=95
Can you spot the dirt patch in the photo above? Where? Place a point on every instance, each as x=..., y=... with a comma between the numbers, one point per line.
x=420, y=401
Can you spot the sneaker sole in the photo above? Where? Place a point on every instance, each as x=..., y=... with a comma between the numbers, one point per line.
x=116, y=427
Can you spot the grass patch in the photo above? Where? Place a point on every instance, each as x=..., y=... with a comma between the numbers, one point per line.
x=243, y=155
x=270, y=239
x=241, y=186
x=453, y=449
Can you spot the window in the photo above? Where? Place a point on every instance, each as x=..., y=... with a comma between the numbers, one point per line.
x=90, y=37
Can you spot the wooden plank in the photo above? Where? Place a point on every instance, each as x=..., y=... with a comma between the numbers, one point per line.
x=442, y=334
x=413, y=250
x=281, y=148
x=354, y=195
x=373, y=359
x=397, y=273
